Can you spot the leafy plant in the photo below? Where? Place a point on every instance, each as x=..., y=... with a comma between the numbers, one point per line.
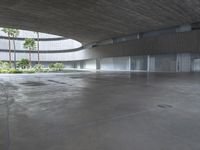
x=56, y=66
x=30, y=44
x=51, y=66
x=4, y=65
x=38, y=68
x=23, y=63
x=10, y=70
x=15, y=71
x=28, y=70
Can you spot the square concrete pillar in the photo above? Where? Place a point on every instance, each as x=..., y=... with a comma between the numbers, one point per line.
x=98, y=63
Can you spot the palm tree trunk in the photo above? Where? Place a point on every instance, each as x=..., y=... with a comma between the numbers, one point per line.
x=14, y=47
x=9, y=47
x=38, y=47
x=30, y=58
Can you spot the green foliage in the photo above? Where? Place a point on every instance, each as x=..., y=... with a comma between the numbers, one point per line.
x=5, y=68
x=11, y=32
x=23, y=67
x=51, y=66
x=56, y=66
x=14, y=71
x=10, y=70
x=59, y=66
x=38, y=68
x=4, y=65
x=23, y=63
x=28, y=70
x=30, y=44
x=15, y=33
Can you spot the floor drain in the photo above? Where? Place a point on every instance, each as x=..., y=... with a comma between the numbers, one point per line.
x=165, y=106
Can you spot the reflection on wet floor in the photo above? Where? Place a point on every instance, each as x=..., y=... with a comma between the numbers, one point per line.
x=109, y=111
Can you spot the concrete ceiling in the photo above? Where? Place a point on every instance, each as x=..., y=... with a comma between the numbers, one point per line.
x=94, y=20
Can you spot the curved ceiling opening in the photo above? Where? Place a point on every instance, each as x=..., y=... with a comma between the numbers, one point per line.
x=47, y=42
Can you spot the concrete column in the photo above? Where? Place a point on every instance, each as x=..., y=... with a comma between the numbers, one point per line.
x=82, y=64
x=129, y=63
x=98, y=64
x=148, y=63
x=151, y=64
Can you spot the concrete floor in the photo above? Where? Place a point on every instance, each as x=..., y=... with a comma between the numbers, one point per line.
x=100, y=111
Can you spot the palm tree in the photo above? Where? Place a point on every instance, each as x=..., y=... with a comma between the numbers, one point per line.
x=38, y=46
x=8, y=31
x=11, y=33
x=30, y=44
x=14, y=34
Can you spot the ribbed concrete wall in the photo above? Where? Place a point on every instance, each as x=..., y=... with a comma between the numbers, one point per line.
x=195, y=62
x=183, y=63
x=153, y=63
x=139, y=63
x=187, y=42
x=165, y=63
x=89, y=64
x=116, y=63
x=196, y=65
x=44, y=45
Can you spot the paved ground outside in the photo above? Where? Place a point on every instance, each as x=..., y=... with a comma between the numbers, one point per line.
x=100, y=111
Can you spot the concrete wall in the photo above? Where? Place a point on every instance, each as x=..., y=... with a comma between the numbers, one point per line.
x=165, y=63
x=177, y=52
x=195, y=62
x=139, y=63
x=89, y=64
x=50, y=44
x=183, y=63
x=44, y=45
x=196, y=65
x=115, y=63
x=187, y=42
x=72, y=56
x=162, y=63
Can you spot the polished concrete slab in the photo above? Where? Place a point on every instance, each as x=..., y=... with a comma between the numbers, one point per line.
x=100, y=111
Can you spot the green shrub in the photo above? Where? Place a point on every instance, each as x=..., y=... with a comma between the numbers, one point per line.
x=5, y=65
x=4, y=70
x=45, y=70
x=51, y=66
x=28, y=70
x=59, y=66
x=14, y=71
x=10, y=70
x=56, y=66
x=23, y=64
x=38, y=68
